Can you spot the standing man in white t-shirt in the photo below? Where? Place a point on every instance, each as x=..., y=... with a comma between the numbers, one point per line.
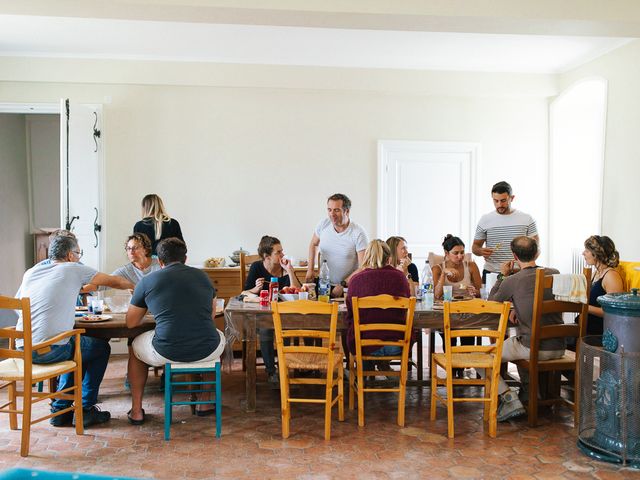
x=498, y=228
x=342, y=244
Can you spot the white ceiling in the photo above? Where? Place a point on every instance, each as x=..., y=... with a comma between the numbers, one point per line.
x=278, y=45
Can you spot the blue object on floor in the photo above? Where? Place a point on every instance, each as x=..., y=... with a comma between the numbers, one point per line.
x=171, y=387
x=26, y=473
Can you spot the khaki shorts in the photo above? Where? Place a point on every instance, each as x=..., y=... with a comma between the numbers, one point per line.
x=144, y=351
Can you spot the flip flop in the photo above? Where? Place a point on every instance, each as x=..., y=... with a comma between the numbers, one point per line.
x=133, y=421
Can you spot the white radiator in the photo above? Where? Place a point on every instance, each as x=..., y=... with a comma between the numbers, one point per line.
x=577, y=260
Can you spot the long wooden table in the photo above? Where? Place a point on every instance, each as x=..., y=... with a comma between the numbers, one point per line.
x=243, y=319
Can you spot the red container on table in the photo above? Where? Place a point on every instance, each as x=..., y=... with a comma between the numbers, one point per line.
x=264, y=298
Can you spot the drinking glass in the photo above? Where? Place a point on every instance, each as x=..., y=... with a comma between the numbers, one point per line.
x=447, y=293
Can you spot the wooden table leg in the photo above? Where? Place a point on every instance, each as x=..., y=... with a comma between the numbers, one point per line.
x=250, y=375
x=420, y=352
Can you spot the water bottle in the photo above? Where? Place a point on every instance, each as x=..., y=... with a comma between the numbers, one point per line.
x=427, y=278
x=324, y=285
x=427, y=285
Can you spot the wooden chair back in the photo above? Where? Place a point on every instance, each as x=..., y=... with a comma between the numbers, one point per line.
x=24, y=305
x=305, y=307
x=245, y=263
x=383, y=302
x=544, y=283
x=476, y=307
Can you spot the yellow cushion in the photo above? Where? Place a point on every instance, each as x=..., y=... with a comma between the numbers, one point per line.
x=630, y=275
x=465, y=360
x=13, y=369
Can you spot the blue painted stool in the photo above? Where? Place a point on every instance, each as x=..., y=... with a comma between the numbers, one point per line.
x=172, y=387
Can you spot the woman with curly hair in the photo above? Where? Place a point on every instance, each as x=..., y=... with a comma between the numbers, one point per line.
x=600, y=252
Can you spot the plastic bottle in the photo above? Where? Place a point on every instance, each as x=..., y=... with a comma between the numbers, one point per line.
x=324, y=285
x=427, y=278
x=274, y=288
x=427, y=285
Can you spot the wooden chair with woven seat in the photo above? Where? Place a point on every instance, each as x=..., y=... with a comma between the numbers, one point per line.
x=17, y=366
x=542, y=332
x=327, y=358
x=356, y=369
x=487, y=357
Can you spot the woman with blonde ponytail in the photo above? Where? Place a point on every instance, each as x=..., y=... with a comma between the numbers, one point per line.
x=156, y=222
x=376, y=277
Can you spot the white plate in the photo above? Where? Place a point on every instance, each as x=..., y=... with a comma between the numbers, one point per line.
x=95, y=318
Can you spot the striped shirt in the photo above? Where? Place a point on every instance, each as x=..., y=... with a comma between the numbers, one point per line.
x=498, y=230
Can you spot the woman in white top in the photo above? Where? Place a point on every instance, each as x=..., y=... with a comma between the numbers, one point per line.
x=461, y=274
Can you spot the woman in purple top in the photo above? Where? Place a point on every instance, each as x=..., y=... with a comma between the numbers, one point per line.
x=377, y=277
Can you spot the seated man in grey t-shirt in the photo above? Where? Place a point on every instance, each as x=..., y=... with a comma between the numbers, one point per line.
x=518, y=288
x=183, y=301
x=53, y=288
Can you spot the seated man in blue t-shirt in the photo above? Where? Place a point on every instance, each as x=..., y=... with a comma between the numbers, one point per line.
x=183, y=301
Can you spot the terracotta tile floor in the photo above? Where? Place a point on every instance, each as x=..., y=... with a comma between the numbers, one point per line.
x=251, y=445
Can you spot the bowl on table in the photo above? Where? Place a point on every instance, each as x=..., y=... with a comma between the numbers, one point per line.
x=289, y=297
x=119, y=302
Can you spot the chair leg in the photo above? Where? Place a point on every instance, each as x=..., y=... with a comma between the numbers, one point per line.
x=285, y=406
x=77, y=400
x=533, y=398
x=402, y=394
x=168, y=399
x=434, y=388
x=360, y=386
x=328, y=396
x=340, y=393
x=352, y=382
x=488, y=375
x=26, y=420
x=493, y=409
x=449, y=402
x=218, y=400
x=13, y=405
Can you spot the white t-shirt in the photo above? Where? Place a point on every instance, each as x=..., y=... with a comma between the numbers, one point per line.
x=340, y=250
x=53, y=290
x=496, y=229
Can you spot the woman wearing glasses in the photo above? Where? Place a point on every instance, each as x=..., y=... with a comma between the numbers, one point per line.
x=138, y=248
x=600, y=252
x=156, y=222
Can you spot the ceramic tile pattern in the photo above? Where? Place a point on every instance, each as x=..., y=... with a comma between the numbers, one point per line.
x=251, y=445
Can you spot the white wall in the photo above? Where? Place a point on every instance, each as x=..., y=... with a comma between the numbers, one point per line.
x=622, y=151
x=15, y=239
x=233, y=164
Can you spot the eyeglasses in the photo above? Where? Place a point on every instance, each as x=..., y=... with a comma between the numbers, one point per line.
x=132, y=249
x=78, y=253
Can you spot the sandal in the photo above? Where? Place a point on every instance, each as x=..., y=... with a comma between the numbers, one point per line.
x=205, y=413
x=134, y=421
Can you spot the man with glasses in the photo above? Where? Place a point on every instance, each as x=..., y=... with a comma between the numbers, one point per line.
x=53, y=288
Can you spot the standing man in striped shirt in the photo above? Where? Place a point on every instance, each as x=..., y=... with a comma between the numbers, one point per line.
x=498, y=228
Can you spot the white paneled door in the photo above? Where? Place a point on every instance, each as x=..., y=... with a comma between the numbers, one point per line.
x=80, y=176
x=425, y=191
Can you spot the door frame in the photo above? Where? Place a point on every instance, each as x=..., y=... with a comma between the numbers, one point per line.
x=54, y=108
x=385, y=147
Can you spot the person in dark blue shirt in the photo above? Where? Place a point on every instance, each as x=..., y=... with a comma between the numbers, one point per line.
x=182, y=300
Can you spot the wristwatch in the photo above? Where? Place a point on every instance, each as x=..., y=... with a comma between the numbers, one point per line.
x=343, y=284
x=501, y=276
